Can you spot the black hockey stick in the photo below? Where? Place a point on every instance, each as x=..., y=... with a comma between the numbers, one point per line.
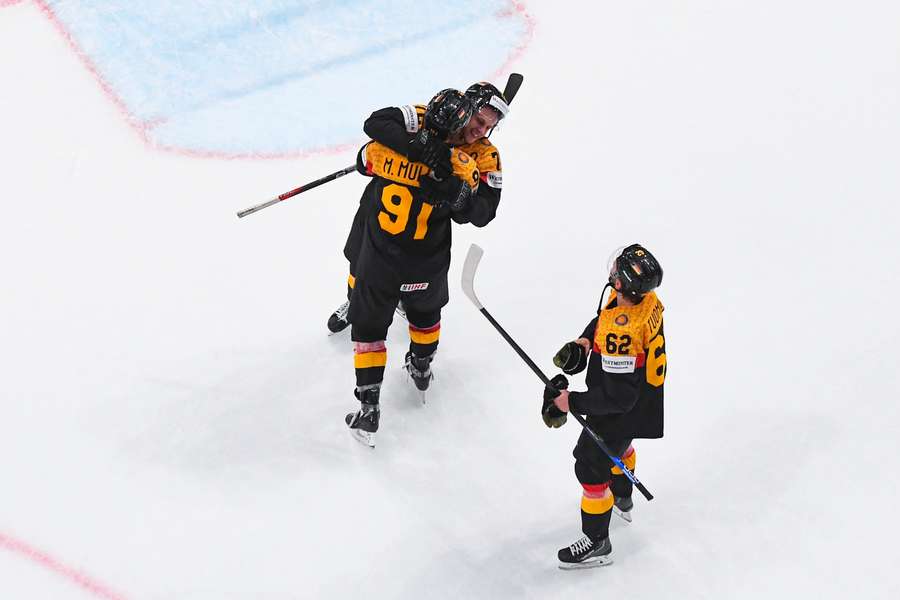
x=513, y=83
x=468, y=284
x=294, y=192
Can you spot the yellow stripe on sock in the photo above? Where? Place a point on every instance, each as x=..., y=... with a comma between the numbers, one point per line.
x=421, y=337
x=630, y=462
x=597, y=506
x=369, y=359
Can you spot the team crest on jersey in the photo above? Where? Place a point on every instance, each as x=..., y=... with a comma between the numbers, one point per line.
x=414, y=287
x=622, y=320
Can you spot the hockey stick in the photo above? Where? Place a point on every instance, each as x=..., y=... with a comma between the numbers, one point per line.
x=468, y=284
x=294, y=192
x=513, y=83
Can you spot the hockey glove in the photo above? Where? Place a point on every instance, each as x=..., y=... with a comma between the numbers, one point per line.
x=452, y=191
x=427, y=149
x=553, y=417
x=571, y=358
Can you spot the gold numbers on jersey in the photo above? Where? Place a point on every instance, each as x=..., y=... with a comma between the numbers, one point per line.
x=397, y=201
x=422, y=221
x=656, y=361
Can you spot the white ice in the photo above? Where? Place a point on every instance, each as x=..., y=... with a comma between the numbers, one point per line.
x=171, y=410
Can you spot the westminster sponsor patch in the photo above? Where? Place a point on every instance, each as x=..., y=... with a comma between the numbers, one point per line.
x=410, y=117
x=618, y=364
x=414, y=287
x=494, y=179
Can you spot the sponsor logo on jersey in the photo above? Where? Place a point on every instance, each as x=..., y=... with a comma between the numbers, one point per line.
x=412, y=120
x=622, y=320
x=494, y=179
x=618, y=364
x=414, y=287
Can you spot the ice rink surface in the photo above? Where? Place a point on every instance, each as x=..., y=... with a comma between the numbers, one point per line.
x=171, y=411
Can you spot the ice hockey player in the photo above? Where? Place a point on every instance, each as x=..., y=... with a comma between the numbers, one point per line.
x=404, y=250
x=401, y=130
x=624, y=351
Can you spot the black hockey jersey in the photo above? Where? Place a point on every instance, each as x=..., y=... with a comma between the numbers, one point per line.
x=405, y=233
x=626, y=371
x=393, y=129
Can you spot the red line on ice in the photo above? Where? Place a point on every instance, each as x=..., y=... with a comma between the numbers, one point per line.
x=143, y=128
x=48, y=562
x=516, y=6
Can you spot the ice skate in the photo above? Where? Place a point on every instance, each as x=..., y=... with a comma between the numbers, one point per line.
x=419, y=370
x=363, y=423
x=338, y=321
x=586, y=553
x=622, y=508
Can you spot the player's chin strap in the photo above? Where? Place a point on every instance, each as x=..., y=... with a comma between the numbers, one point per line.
x=600, y=306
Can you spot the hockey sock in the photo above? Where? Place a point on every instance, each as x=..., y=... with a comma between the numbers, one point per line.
x=369, y=359
x=621, y=486
x=423, y=341
x=596, y=510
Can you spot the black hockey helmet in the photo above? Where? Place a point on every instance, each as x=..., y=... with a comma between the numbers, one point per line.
x=636, y=269
x=486, y=94
x=448, y=112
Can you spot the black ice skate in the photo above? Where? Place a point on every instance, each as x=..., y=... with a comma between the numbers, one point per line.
x=338, y=320
x=419, y=370
x=623, y=507
x=364, y=423
x=586, y=553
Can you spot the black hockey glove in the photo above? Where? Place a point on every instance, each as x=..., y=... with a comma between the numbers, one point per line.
x=427, y=149
x=452, y=191
x=571, y=358
x=553, y=417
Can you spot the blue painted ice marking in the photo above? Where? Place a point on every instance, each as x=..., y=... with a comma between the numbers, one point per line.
x=283, y=77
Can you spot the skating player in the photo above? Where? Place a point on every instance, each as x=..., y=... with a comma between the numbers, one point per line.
x=624, y=351
x=401, y=129
x=404, y=251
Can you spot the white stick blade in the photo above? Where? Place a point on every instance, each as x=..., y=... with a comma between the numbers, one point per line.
x=473, y=257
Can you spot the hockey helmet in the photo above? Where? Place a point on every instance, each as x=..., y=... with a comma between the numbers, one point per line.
x=636, y=269
x=486, y=94
x=448, y=112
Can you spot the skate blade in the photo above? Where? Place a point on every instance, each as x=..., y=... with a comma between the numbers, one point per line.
x=599, y=561
x=364, y=437
x=422, y=393
x=625, y=516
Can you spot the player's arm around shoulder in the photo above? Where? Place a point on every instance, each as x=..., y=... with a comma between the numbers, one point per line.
x=395, y=126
